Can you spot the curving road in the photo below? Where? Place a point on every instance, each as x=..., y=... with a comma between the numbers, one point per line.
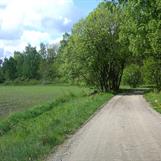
x=126, y=129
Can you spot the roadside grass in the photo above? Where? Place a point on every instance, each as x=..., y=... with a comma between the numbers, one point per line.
x=32, y=137
x=154, y=99
x=11, y=121
x=20, y=98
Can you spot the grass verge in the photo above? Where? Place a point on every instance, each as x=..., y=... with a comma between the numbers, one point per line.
x=10, y=122
x=32, y=138
x=15, y=99
x=154, y=99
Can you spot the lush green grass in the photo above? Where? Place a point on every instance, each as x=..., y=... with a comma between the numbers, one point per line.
x=155, y=100
x=30, y=135
x=19, y=98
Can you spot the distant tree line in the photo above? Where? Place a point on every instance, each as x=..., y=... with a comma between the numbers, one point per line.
x=30, y=64
x=120, y=41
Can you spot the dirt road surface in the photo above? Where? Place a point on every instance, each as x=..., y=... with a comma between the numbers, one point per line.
x=126, y=129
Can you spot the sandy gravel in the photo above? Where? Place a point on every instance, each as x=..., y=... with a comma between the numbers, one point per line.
x=126, y=129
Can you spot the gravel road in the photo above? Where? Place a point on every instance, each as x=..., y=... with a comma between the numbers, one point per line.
x=126, y=129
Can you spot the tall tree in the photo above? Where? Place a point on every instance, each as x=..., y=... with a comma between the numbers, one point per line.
x=9, y=68
x=43, y=68
x=140, y=30
x=31, y=63
x=93, y=53
x=2, y=79
x=43, y=51
x=51, y=60
x=19, y=58
x=63, y=43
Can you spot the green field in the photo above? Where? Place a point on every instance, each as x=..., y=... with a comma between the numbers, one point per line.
x=155, y=100
x=58, y=111
x=19, y=98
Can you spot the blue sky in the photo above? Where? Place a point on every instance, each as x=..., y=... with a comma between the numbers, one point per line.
x=86, y=5
x=35, y=21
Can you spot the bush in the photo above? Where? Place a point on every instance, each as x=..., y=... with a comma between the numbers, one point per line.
x=132, y=76
x=1, y=76
x=152, y=72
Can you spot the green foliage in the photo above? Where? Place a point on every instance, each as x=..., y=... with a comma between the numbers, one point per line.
x=132, y=76
x=140, y=30
x=31, y=63
x=32, y=139
x=48, y=68
x=155, y=99
x=19, y=58
x=63, y=43
x=94, y=51
x=152, y=72
x=7, y=124
x=43, y=51
x=114, y=35
x=1, y=75
x=9, y=68
x=43, y=68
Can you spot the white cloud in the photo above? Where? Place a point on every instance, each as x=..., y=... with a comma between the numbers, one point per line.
x=24, y=21
x=66, y=21
x=34, y=37
x=30, y=12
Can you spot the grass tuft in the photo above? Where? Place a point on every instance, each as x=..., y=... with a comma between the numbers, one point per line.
x=155, y=99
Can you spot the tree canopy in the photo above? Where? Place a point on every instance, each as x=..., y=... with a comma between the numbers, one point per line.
x=117, y=36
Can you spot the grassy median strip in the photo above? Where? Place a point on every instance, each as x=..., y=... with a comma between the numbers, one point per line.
x=32, y=139
x=155, y=100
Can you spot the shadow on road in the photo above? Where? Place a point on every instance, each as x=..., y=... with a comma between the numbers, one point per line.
x=133, y=91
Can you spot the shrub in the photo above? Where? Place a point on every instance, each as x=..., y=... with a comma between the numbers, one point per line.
x=132, y=76
x=152, y=72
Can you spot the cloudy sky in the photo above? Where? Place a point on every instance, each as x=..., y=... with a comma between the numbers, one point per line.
x=35, y=21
